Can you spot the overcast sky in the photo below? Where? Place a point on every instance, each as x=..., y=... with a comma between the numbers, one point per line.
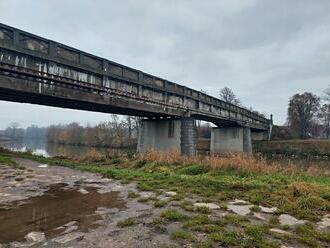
x=265, y=50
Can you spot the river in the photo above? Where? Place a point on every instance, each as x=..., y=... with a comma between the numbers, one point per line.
x=41, y=147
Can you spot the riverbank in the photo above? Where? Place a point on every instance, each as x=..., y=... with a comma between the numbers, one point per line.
x=267, y=194
x=299, y=149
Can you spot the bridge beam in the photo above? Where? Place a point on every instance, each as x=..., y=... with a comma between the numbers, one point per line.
x=230, y=140
x=167, y=135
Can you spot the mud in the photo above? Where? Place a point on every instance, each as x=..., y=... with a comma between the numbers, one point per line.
x=50, y=212
x=73, y=209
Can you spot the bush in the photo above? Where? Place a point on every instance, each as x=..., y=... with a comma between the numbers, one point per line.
x=194, y=170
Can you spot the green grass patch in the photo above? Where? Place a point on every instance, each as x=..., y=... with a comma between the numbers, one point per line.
x=181, y=234
x=194, y=170
x=172, y=215
x=160, y=203
x=7, y=160
x=255, y=208
x=127, y=222
x=203, y=209
x=311, y=237
x=133, y=194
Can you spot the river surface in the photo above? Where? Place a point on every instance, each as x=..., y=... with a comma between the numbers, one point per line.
x=41, y=147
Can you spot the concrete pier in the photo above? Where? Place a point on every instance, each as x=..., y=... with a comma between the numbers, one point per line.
x=163, y=135
x=168, y=135
x=188, y=136
x=230, y=139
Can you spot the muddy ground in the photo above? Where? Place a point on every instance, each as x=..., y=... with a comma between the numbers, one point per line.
x=72, y=208
x=51, y=206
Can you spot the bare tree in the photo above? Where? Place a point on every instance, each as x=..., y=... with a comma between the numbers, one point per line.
x=324, y=117
x=302, y=110
x=226, y=94
x=14, y=131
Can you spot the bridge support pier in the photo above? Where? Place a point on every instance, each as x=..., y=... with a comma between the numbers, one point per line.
x=230, y=139
x=188, y=136
x=168, y=135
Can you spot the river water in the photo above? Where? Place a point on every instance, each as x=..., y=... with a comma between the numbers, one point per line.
x=41, y=147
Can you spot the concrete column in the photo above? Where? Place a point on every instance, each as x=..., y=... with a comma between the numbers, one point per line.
x=230, y=139
x=188, y=136
x=163, y=135
x=247, y=142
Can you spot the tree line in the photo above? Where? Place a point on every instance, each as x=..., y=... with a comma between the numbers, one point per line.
x=15, y=132
x=117, y=133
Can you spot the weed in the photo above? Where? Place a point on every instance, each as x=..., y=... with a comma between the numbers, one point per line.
x=308, y=235
x=172, y=215
x=7, y=161
x=159, y=221
x=181, y=234
x=187, y=205
x=127, y=222
x=205, y=244
x=236, y=219
x=194, y=170
x=227, y=238
x=160, y=203
x=273, y=221
x=255, y=208
x=143, y=199
x=133, y=194
x=140, y=163
x=203, y=209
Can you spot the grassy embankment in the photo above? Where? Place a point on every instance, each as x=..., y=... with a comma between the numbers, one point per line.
x=302, y=193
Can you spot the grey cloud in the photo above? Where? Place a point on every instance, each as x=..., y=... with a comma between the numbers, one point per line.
x=265, y=50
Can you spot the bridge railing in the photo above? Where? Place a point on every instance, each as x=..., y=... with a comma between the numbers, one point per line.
x=69, y=62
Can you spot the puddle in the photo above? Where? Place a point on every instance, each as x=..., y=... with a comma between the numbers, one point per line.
x=43, y=166
x=55, y=208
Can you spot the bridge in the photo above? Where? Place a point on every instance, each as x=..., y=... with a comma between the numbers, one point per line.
x=41, y=71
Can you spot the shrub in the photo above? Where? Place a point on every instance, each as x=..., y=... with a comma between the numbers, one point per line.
x=194, y=170
x=127, y=222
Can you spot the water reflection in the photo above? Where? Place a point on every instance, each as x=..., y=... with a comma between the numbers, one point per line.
x=41, y=147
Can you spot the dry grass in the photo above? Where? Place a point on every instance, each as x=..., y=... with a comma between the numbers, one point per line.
x=92, y=155
x=238, y=161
